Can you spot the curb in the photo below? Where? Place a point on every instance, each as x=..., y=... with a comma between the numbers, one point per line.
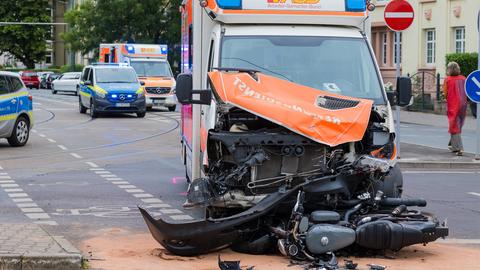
x=41, y=261
x=438, y=165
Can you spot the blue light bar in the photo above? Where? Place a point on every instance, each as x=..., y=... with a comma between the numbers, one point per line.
x=230, y=4
x=355, y=5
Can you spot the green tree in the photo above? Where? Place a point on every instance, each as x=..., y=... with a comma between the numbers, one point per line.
x=110, y=21
x=27, y=43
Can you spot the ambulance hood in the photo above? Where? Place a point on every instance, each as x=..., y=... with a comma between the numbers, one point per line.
x=324, y=117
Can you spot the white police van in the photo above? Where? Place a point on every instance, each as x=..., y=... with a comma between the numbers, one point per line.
x=16, y=118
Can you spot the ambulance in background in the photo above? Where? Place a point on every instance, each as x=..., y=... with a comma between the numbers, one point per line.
x=151, y=64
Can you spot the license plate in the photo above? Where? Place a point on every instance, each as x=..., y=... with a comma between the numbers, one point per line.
x=122, y=105
x=158, y=102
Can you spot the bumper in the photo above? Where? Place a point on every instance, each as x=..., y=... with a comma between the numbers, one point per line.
x=137, y=106
x=161, y=100
x=32, y=84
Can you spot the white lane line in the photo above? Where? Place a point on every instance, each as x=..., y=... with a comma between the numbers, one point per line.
x=127, y=186
x=62, y=147
x=17, y=195
x=34, y=130
x=97, y=169
x=159, y=205
x=103, y=171
x=143, y=195
x=32, y=210
x=474, y=194
x=75, y=155
x=181, y=217
x=135, y=190
x=37, y=215
x=17, y=200
x=171, y=211
x=120, y=183
x=9, y=185
x=8, y=190
x=46, y=222
x=42, y=135
x=7, y=181
x=108, y=175
x=5, y=177
x=91, y=164
x=152, y=200
x=51, y=140
x=114, y=178
x=24, y=205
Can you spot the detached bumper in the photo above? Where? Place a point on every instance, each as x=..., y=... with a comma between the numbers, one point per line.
x=161, y=100
x=137, y=106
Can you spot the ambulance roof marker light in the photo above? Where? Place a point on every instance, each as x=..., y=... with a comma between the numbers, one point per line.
x=356, y=5
x=229, y=4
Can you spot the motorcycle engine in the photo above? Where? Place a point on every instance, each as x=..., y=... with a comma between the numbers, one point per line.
x=322, y=238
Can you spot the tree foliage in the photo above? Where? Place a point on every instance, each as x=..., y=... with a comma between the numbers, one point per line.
x=110, y=21
x=468, y=62
x=27, y=43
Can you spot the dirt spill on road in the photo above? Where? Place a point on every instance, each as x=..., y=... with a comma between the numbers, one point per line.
x=117, y=249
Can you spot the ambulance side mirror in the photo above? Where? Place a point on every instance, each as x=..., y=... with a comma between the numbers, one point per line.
x=404, y=91
x=186, y=94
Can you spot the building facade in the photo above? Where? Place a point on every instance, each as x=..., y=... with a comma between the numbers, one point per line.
x=440, y=27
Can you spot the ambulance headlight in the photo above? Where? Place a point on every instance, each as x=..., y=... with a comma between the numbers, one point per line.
x=356, y=5
x=230, y=4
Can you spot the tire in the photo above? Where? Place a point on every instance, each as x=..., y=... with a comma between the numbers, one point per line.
x=93, y=110
x=54, y=92
x=392, y=184
x=149, y=108
x=20, y=133
x=172, y=108
x=81, y=108
x=141, y=114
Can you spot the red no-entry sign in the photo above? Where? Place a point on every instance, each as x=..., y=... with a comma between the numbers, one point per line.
x=399, y=15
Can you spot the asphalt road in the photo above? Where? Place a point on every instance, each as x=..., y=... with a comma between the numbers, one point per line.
x=78, y=176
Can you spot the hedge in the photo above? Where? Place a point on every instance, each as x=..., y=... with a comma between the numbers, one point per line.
x=468, y=62
x=70, y=68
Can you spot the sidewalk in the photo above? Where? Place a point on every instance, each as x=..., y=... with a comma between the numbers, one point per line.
x=424, y=138
x=28, y=246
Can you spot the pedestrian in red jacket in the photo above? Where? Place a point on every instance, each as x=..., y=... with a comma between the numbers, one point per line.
x=454, y=90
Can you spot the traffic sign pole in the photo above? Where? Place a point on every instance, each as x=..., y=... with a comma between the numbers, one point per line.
x=397, y=108
x=477, y=153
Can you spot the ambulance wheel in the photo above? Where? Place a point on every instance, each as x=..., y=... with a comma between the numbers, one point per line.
x=82, y=108
x=20, y=133
x=93, y=110
x=173, y=108
x=141, y=114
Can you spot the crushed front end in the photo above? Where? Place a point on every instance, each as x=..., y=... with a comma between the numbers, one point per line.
x=304, y=175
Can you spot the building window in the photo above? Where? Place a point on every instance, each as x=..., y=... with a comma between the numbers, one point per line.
x=460, y=39
x=395, y=42
x=49, y=53
x=384, y=47
x=430, y=46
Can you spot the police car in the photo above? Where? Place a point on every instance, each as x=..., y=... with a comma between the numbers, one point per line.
x=112, y=88
x=16, y=107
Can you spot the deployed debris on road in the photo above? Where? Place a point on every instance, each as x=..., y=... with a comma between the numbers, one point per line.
x=230, y=265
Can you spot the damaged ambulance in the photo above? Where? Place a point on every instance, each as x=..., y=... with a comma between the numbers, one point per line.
x=287, y=133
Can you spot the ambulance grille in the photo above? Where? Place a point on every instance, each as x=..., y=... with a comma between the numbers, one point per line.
x=333, y=103
x=157, y=90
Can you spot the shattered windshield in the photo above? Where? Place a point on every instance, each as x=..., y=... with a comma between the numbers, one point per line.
x=338, y=65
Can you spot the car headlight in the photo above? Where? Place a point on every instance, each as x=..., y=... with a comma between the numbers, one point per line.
x=100, y=94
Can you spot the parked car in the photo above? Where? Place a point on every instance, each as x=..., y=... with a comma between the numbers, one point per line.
x=43, y=78
x=30, y=79
x=68, y=82
x=50, y=78
x=15, y=109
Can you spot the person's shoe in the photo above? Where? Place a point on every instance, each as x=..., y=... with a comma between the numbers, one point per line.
x=459, y=153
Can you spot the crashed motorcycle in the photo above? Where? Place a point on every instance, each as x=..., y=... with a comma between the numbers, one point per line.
x=327, y=184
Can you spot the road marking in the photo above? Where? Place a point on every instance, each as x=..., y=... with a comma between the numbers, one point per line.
x=120, y=182
x=37, y=215
x=181, y=217
x=102, y=171
x=143, y=195
x=22, y=200
x=108, y=175
x=42, y=135
x=17, y=195
x=474, y=194
x=62, y=147
x=97, y=169
x=13, y=190
x=23, y=205
x=134, y=190
x=7, y=181
x=5, y=177
x=127, y=186
x=160, y=205
x=114, y=178
x=171, y=211
x=51, y=140
x=3, y=173
x=32, y=210
x=152, y=200
x=75, y=155
x=91, y=164
x=8, y=185
x=46, y=222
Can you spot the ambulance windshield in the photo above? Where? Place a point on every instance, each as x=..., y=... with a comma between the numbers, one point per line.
x=339, y=65
x=116, y=75
x=152, y=68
